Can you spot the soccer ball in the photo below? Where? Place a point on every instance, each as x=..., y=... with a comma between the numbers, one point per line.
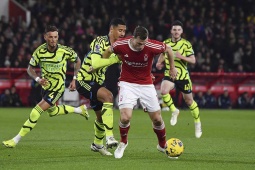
x=174, y=148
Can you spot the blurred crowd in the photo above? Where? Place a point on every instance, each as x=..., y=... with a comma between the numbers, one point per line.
x=10, y=98
x=222, y=32
x=224, y=101
x=208, y=100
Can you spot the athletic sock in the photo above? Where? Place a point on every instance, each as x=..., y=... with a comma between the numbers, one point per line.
x=169, y=102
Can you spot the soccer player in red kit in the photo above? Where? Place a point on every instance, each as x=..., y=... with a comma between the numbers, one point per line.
x=137, y=53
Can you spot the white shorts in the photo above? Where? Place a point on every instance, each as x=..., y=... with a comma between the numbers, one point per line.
x=129, y=93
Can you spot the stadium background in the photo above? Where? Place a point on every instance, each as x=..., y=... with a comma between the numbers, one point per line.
x=221, y=32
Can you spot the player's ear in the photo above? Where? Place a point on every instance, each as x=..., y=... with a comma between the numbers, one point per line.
x=45, y=36
x=111, y=28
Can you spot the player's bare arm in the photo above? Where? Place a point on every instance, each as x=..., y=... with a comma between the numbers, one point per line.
x=173, y=71
x=191, y=59
x=31, y=72
x=77, y=65
x=160, y=62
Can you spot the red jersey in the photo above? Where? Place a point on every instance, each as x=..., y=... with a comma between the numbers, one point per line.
x=136, y=65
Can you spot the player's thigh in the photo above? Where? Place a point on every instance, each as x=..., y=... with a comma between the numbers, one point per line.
x=89, y=90
x=128, y=95
x=166, y=86
x=44, y=105
x=104, y=95
x=149, y=98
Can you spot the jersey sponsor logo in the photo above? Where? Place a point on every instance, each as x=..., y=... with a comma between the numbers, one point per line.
x=53, y=67
x=136, y=64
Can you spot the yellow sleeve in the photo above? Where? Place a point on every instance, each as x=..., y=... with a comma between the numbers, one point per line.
x=98, y=61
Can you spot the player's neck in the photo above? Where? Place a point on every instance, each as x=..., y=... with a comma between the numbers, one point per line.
x=111, y=38
x=51, y=49
x=131, y=44
x=176, y=39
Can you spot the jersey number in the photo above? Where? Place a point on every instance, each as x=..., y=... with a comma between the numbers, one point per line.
x=51, y=95
x=187, y=87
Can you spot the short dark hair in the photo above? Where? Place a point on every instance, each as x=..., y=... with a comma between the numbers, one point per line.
x=141, y=32
x=177, y=23
x=50, y=28
x=117, y=21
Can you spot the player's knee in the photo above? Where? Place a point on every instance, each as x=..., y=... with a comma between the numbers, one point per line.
x=108, y=98
x=188, y=101
x=157, y=122
x=164, y=92
x=125, y=119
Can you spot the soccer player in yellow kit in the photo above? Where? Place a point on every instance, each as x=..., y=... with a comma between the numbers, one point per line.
x=90, y=84
x=52, y=59
x=184, y=54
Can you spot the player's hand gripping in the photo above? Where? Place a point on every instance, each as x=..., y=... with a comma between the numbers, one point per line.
x=159, y=66
x=43, y=82
x=72, y=86
x=173, y=73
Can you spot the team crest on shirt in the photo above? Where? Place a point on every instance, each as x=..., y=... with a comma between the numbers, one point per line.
x=125, y=55
x=146, y=57
x=97, y=48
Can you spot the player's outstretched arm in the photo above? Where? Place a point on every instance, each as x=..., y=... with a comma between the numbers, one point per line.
x=106, y=59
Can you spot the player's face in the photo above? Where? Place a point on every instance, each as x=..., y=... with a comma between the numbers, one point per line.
x=176, y=31
x=138, y=44
x=51, y=39
x=119, y=31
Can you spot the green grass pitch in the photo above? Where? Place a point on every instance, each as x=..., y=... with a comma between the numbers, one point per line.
x=63, y=142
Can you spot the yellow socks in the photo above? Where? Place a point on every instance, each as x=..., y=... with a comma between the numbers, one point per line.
x=99, y=133
x=169, y=102
x=31, y=122
x=60, y=110
x=107, y=116
x=195, y=112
